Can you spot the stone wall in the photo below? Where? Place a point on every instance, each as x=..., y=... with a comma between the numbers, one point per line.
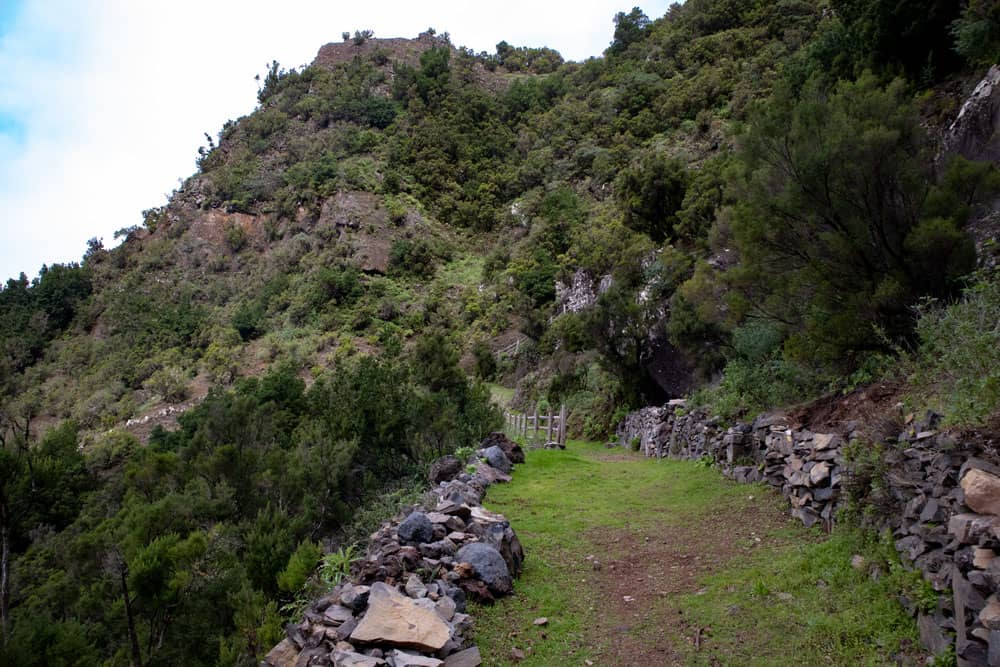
x=404, y=603
x=938, y=495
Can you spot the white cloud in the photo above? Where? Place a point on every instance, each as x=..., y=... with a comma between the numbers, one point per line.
x=115, y=95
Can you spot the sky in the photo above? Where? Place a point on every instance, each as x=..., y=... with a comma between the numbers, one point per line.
x=104, y=103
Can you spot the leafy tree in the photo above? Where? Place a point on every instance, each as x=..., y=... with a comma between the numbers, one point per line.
x=831, y=223
x=651, y=194
x=977, y=32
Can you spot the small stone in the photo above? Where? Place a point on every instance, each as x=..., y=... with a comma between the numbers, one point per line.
x=981, y=558
x=990, y=615
x=819, y=472
x=403, y=659
x=415, y=588
x=336, y=615
x=541, y=621
x=858, y=562
x=516, y=654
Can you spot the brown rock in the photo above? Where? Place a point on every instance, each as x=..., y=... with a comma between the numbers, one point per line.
x=395, y=619
x=351, y=659
x=402, y=659
x=990, y=615
x=283, y=655
x=819, y=472
x=968, y=528
x=982, y=491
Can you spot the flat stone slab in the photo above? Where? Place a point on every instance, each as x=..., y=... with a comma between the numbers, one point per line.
x=395, y=619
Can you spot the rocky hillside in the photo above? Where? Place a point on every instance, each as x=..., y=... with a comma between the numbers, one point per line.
x=739, y=199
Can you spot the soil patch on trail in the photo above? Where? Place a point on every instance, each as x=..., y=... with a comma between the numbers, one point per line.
x=648, y=569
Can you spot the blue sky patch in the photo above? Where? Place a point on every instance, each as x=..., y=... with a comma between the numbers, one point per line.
x=9, y=9
x=12, y=128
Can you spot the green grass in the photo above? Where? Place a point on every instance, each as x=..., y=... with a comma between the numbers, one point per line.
x=501, y=395
x=566, y=505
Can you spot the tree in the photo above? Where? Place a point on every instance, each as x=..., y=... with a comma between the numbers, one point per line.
x=651, y=194
x=628, y=30
x=834, y=226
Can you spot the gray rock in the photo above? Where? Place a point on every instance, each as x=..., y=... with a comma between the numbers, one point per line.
x=415, y=588
x=470, y=657
x=497, y=458
x=488, y=565
x=416, y=528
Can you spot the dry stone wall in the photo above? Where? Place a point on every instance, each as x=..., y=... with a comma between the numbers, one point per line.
x=938, y=496
x=404, y=603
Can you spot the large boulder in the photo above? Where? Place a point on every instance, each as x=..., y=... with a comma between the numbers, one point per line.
x=416, y=529
x=497, y=459
x=394, y=619
x=445, y=469
x=982, y=491
x=488, y=566
x=509, y=447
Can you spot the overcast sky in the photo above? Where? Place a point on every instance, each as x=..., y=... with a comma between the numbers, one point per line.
x=104, y=103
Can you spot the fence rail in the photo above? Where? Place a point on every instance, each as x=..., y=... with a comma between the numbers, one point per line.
x=537, y=428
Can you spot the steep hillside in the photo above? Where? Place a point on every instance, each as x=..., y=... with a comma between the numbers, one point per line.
x=737, y=198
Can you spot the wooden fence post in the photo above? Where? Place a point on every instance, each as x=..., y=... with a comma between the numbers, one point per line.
x=562, y=424
x=548, y=430
x=535, y=436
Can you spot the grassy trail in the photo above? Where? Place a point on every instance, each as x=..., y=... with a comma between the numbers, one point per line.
x=641, y=562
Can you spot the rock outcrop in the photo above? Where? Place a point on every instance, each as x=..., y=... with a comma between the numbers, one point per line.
x=975, y=133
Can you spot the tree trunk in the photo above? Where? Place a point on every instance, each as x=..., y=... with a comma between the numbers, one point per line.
x=4, y=573
x=133, y=637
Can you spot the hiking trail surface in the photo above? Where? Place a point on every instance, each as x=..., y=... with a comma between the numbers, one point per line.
x=634, y=561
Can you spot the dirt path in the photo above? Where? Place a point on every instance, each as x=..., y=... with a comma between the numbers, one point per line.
x=647, y=570
x=636, y=562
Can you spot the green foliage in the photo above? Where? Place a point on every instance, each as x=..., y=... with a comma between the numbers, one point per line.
x=301, y=566
x=414, y=257
x=830, y=222
x=977, y=32
x=651, y=194
x=955, y=367
x=336, y=565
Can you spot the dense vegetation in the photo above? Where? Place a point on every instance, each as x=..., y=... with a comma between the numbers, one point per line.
x=750, y=183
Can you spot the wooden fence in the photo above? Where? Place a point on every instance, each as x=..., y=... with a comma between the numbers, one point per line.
x=537, y=428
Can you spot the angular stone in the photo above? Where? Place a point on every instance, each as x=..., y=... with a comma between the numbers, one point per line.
x=983, y=558
x=990, y=614
x=446, y=608
x=969, y=528
x=470, y=657
x=354, y=597
x=438, y=517
x=488, y=566
x=415, y=588
x=401, y=659
x=445, y=469
x=982, y=491
x=491, y=475
x=497, y=459
x=343, y=658
x=819, y=472
x=509, y=447
x=823, y=441
x=285, y=654
x=416, y=528
x=336, y=614
x=395, y=619
x=932, y=636
x=930, y=511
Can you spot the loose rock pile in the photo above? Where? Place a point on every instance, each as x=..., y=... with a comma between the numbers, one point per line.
x=404, y=605
x=939, y=498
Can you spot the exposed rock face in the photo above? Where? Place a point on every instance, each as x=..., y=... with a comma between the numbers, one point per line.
x=395, y=619
x=581, y=293
x=488, y=566
x=975, y=133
